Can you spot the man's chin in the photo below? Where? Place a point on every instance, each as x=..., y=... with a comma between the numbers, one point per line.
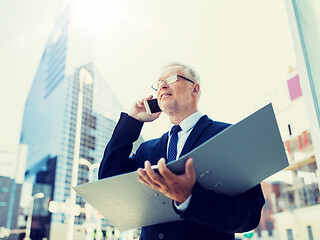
x=164, y=105
x=167, y=107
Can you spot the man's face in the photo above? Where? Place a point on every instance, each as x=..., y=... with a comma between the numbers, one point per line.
x=176, y=97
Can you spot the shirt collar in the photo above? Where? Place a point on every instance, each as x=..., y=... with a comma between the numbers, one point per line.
x=188, y=123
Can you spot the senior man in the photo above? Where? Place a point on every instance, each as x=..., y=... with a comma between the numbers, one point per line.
x=205, y=214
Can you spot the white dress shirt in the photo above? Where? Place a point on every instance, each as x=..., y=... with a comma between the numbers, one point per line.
x=186, y=126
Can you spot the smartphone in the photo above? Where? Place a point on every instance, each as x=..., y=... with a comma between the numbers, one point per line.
x=152, y=106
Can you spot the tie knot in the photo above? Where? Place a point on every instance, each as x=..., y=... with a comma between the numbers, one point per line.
x=175, y=129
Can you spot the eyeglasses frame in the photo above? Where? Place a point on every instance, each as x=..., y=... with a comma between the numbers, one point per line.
x=172, y=82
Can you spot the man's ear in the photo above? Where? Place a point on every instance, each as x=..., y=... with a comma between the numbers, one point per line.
x=196, y=90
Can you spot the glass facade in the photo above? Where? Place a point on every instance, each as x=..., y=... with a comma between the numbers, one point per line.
x=49, y=126
x=307, y=15
x=9, y=202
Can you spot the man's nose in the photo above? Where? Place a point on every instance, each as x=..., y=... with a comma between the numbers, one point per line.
x=163, y=85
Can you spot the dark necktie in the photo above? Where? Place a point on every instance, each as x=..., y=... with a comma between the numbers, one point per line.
x=172, y=150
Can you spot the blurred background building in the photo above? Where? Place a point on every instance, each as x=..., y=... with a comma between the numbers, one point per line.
x=292, y=197
x=12, y=165
x=298, y=215
x=49, y=127
x=292, y=205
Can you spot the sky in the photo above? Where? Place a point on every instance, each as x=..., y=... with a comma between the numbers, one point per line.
x=241, y=50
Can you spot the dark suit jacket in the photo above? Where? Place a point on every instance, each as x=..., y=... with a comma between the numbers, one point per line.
x=209, y=215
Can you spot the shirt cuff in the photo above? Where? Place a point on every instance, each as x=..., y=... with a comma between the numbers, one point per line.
x=183, y=206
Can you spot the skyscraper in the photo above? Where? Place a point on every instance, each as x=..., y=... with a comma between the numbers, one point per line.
x=12, y=162
x=49, y=122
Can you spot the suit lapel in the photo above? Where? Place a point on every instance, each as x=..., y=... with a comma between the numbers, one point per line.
x=195, y=134
x=163, y=145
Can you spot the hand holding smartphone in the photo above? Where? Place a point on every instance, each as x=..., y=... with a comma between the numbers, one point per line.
x=152, y=106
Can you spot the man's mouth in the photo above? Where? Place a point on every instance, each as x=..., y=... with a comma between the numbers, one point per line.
x=165, y=95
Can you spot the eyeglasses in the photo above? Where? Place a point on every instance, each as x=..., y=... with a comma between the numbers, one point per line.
x=171, y=79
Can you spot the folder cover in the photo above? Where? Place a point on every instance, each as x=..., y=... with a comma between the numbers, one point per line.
x=231, y=162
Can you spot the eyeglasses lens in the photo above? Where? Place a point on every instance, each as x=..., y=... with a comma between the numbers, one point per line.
x=168, y=80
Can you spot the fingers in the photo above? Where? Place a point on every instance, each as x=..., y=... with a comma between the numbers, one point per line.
x=144, y=178
x=141, y=177
x=156, y=115
x=149, y=177
x=149, y=98
x=164, y=171
x=176, y=187
x=140, y=102
x=189, y=169
x=153, y=176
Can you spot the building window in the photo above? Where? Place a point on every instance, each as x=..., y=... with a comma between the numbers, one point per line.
x=289, y=234
x=310, y=232
x=4, y=189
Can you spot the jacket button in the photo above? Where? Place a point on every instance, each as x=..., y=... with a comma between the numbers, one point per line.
x=161, y=236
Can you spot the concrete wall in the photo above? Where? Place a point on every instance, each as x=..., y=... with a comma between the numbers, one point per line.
x=298, y=221
x=58, y=231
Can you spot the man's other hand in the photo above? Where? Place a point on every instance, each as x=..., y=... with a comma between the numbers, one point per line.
x=176, y=187
x=138, y=111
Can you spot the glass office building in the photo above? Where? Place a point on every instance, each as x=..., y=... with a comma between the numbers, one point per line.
x=307, y=16
x=49, y=123
x=304, y=18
